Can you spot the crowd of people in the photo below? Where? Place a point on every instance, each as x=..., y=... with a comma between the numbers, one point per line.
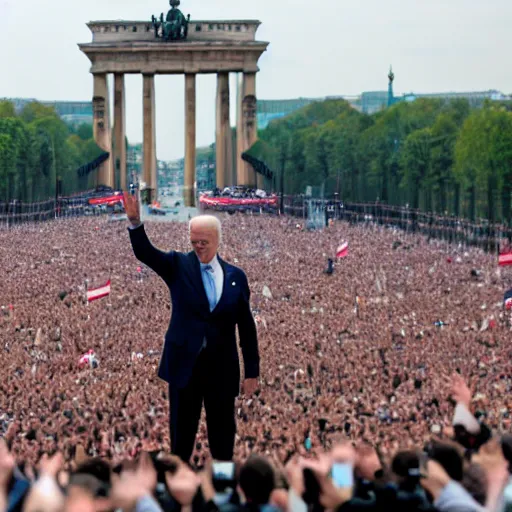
x=365, y=356
x=239, y=192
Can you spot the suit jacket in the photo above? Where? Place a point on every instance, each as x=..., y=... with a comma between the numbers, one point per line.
x=192, y=322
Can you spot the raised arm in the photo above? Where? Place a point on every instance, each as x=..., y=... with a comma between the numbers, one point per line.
x=144, y=250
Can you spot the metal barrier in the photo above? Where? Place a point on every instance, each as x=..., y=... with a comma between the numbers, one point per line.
x=15, y=213
x=450, y=229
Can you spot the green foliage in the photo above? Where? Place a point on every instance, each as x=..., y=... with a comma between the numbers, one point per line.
x=36, y=149
x=7, y=109
x=35, y=110
x=205, y=153
x=483, y=154
x=84, y=131
x=7, y=162
x=432, y=154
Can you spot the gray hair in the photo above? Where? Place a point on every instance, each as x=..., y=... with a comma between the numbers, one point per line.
x=207, y=221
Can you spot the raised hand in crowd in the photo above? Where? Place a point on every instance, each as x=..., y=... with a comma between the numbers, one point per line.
x=132, y=207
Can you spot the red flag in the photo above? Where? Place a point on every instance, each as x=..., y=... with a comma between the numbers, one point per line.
x=505, y=257
x=342, y=251
x=98, y=293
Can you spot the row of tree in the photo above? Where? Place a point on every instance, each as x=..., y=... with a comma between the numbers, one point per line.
x=431, y=154
x=40, y=154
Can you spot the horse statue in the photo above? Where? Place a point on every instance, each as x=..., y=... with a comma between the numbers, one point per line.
x=175, y=25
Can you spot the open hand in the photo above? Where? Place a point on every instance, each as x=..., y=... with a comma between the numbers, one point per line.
x=460, y=390
x=133, y=484
x=436, y=478
x=132, y=208
x=183, y=484
x=491, y=459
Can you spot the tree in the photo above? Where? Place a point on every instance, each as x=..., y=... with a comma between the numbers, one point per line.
x=435, y=154
x=444, y=134
x=84, y=131
x=7, y=164
x=34, y=110
x=17, y=175
x=7, y=109
x=54, y=132
x=483, y=154
x=42, y=150
x=415, y=163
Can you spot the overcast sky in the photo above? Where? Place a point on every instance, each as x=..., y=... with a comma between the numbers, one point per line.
x=326, y=47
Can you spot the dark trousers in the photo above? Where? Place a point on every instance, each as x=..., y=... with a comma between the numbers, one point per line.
x=186, y=405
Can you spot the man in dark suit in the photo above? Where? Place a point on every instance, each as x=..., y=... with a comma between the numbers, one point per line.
x=200, y=357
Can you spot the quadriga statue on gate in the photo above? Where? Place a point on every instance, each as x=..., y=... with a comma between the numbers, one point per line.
x=175, y=25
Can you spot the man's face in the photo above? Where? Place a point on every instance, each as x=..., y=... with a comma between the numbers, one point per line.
x=205, y=242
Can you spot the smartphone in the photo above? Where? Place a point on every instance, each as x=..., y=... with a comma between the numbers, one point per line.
x=223, y=476
x=342, y=474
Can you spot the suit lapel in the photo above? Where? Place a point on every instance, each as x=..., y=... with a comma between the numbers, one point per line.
x=197, y=280
x=225, y=287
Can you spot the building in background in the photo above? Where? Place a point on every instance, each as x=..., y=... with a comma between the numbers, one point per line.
x=376, y=101
x=72, y=112
x=369, y=102
x=268, y=110
x=475, y=99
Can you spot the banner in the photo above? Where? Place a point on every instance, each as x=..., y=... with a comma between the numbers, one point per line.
x=233, y=201
x=108, y=200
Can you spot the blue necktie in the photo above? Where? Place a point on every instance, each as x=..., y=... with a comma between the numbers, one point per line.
x=209, y=285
